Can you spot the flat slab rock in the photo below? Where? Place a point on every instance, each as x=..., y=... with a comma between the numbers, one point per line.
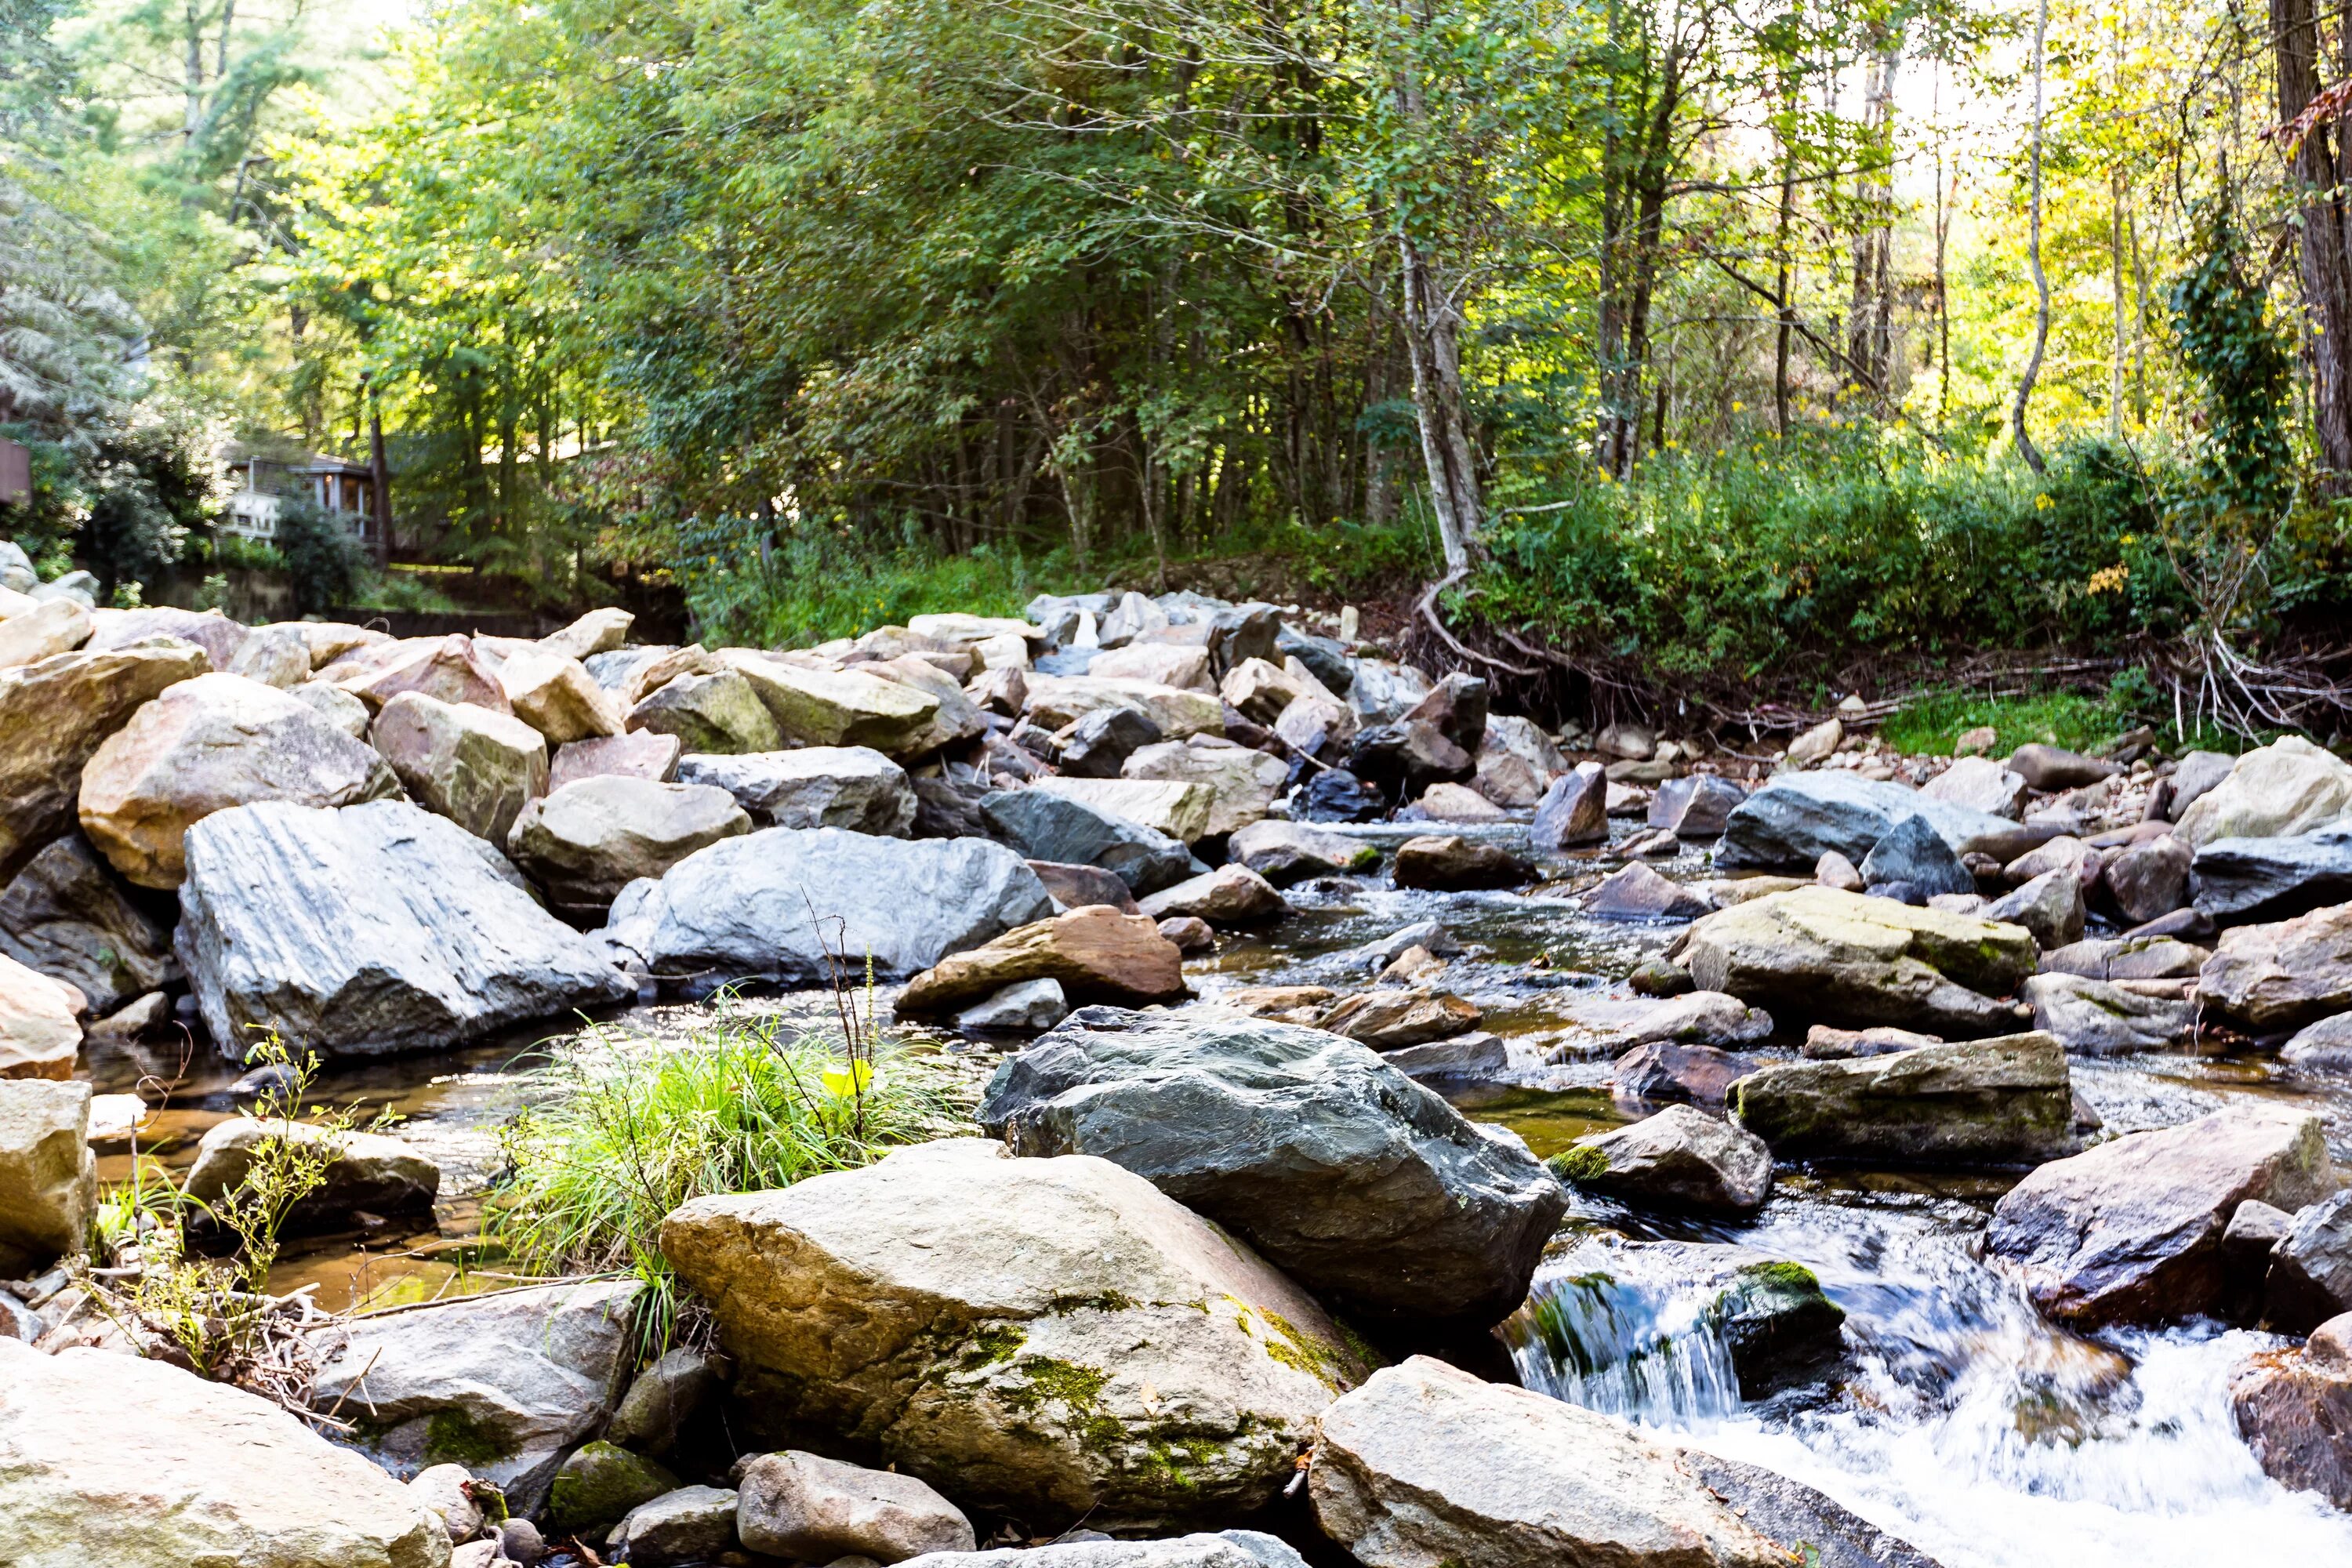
x=2006, y=1101
x=772, y=904
x=1794, y=820
x=1367, y=1188
x=1094, y=952
x=1224, y=1548
x=972, y=1319
x=117, y=1461
x=2130, y=1231
x=373, y=928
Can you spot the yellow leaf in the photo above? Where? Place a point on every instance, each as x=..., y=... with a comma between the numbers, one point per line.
x=850, y=1078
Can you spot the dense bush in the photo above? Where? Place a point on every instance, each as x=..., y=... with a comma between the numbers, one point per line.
x=322, y=559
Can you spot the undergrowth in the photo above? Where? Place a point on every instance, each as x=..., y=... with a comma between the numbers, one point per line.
x=630, y=1128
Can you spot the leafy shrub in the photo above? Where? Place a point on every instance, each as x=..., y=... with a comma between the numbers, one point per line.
x=325, y=563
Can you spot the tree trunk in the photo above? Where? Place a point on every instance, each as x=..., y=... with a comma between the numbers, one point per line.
x=379, y=482
x=1433, y=342
x=2025, y=446
x=2326, y=255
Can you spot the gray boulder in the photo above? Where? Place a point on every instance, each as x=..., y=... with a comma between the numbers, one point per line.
x=772, y=904
x=2197, y=774
x=1353, y=1179
x=813, y=1510
x=2233, y=880
x=1286, y=852
x=1981, y=784
x=69, y=916
x=1818, y=1531
x=371, y=929
x=2052, y=768
x=2310, y=1277
x=2293, y=1406
x=1681, y=1157
x=116, y=1461
x=2327, y=1044
x=973, y=1319
x=2269, y=979
x=692, y=1524
x=855, y=787
x=2128, y=958
x=1915, y=854
x=2130, y=1231
x=1427, y=1465
x=1696, y=805
x=1984, y=1102
x=1574, y=811
x=505, y=1383
x=2100, y=1018
x=1047, y=826
x=2050, y=906
x=365, y=1169
x=1794, y=821
x=662, y=1399
x=1221, y=1548
x=2150, y=878
x=48, y=1177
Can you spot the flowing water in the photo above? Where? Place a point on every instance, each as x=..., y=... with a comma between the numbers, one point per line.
x=1955, y=1417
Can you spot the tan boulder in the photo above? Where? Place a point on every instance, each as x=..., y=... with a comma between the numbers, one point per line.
x=1232, y=895
x=598, y=631
x=720, y=712
x=1057, y=699
x=219, y=636
x=447, y=669
x=587, y=841
x=1241, y=783
x=53, y=716
x=277, y=655
x=51, y=627
x=208, y=745
x=2287, y=787
x=475, y=767
x=837, y=708
x=1259, y=690
x=558, y=698
x=1388, y=1020
x=40, y=1036
x=1177, y=808
x=330, y=641
x=638, y=754
x=2270, y=979
x=48, y=1178
x=1160, y=664
x=1096, y=953
x=958, y=719
x=637, y=673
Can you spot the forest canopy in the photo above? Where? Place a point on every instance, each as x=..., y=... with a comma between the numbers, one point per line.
x=1684, y=335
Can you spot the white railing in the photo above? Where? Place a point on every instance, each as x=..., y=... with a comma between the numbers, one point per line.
x=253, y=514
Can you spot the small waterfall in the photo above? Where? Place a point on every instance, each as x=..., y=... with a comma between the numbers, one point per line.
x=1640, y=1349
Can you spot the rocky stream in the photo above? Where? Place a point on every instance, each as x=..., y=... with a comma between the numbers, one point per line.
x=1398, y=1135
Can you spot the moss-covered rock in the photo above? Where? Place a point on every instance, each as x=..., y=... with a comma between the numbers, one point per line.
x=2006, y=1101
x=598, y=1487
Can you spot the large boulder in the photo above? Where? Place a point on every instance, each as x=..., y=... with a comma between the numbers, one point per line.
x=972, y=1319
x=362, y=1169
x=2294, y=1408
x=1365, y=1187
x=2233, y=880
x=277, y=655
x=1840, y=958
x=1573, y=811
x=1427, y=1466
x=116, y=1460
x=1696, y=805
x=597, y=631
x=52, y=627
x=587, y=841
x=855, y=787
x=1405, y=758
x=504, y=1384
x=1094, y=952
x=376, y=928
x=771, y=905
x=1449, y=862
x=68, y=916
x=1156, y=663
x=1792, y=822
x=2310, y=1276
x=1049, y=825
x=719, y=711
x=1916, y=856
x=1092, y=1549
x=1981, y=784
x=205, y=745
x=48, y=1177
x=475, y=767
x=1241, y=784
x=54, y=715
x=2286, y=788
x=638, y=754
x=1055, y=700
x=2005, y=1102
x=40, y=1036
x=557, y=696
x=1682, y=1158
x=1229, y=895
x=1517, y=762
x=2271, y=979
x=2130, y=1231
x=954, y=718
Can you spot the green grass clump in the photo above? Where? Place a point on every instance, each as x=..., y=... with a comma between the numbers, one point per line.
x=630, y=1128
x=2067, y=719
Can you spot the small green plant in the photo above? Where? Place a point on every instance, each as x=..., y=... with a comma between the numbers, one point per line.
x=1933, y=725
x=629, y=1129
x=215, y=1313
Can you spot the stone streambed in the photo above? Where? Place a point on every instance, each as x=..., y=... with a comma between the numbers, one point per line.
x=1950, y=1413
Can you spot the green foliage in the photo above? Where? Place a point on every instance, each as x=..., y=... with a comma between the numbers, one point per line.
x=325, y=563
x=629, y=1129
x=2244, y=362
x=1932, y=726
x=1729, y=562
